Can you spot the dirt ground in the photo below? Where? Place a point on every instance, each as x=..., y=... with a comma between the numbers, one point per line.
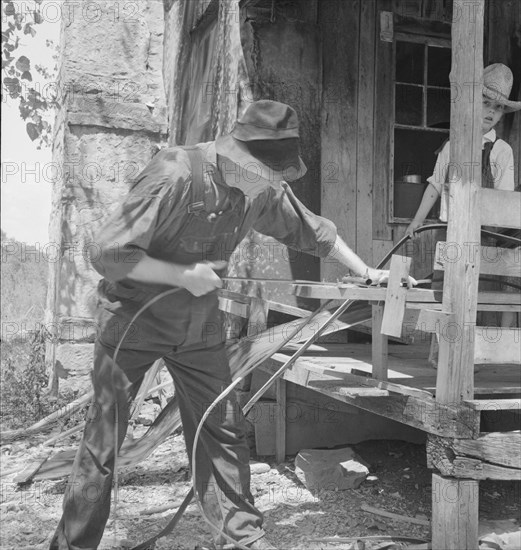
x=294, y=518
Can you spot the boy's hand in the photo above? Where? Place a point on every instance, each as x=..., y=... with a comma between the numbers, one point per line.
x=200, y=278
x=412, y=227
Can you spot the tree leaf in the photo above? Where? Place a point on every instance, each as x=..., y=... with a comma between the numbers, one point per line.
x=10, y=9
x=28, y=29
x=37, y=16
x=12, y=85
x=32, y=131
x=27, y=76
x=23, y=64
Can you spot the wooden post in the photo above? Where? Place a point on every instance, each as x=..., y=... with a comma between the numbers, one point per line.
x=455, y=379
x=379, y=343
x=280, y=421
x=454, y=513
x=455, y=519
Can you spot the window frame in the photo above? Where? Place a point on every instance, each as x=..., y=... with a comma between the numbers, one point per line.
x=428, y=40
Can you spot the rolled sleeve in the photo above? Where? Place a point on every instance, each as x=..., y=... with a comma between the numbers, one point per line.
x=286, y=219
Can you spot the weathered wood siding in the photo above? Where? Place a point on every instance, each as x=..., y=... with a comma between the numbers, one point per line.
x=358, y=110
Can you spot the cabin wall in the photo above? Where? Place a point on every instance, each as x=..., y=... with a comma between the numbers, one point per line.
x=357, y=111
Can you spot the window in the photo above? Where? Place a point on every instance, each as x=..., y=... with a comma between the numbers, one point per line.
x=421, y=120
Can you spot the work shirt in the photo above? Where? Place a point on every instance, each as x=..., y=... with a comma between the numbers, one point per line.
x=501, y=164
x=156, y=218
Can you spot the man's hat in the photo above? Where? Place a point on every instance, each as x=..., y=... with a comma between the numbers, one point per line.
x=497, y=85
x=265, y=142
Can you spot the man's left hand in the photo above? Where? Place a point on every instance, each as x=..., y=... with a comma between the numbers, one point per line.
x=380, y=276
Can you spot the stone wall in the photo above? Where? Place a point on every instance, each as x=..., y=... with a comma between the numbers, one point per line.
x=112, y=120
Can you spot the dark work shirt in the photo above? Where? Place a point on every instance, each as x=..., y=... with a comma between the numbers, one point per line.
x=156, y=209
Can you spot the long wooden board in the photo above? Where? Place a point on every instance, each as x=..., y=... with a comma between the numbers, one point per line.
x=493, y=260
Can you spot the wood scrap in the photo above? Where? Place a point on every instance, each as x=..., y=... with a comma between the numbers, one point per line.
x=65, y=412
x=241, y=354
x=396, y=517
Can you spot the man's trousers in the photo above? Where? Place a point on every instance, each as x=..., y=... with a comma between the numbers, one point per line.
x=222, y=469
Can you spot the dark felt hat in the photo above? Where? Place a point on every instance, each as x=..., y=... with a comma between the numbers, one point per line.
x=265, y=141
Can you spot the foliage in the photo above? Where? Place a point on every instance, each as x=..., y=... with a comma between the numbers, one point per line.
x=17, y=74
x=24, y=286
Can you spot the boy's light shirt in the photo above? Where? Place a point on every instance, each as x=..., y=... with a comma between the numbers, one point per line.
x=501, y=162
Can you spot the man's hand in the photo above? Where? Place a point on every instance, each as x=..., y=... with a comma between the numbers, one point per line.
x=379, y=276
x=200, y=278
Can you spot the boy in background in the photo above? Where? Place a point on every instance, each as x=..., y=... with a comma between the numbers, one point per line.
x=497, y=158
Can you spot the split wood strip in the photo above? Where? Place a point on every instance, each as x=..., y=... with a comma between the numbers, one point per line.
x=493, y=260
x=497, y=345
x=148, y=380
x=28, y=472
x=500, y=208
x=231, y=306
x=395, y=517
x=242, y=355
x=395, y=296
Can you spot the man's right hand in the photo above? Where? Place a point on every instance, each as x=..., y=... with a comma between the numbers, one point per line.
x=200, y=278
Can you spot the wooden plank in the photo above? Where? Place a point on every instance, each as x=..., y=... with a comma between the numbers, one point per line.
x=500, y=208
x=331, y=291
x=422, y=413
x=455, y=379
x=431, y=320
x=499, y=458
x=383, y=130
x=454, y=513
x=395, y=296
x=493, y=260
x=379, y=344
x=340, y=22
x=497, y=345
x=391, y=515
x=502, y=449
x=280, y=421
x=380, y=250
x=495, y=404
x=473, y=468
x=365, y=118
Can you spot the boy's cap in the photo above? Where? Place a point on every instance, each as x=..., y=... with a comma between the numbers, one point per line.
x=265, y=140
x=497, y=85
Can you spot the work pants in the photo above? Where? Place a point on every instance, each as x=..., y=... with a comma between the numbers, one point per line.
x=222, y=457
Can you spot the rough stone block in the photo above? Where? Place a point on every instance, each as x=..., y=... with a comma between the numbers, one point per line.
x=330, y=470
x=73, y=366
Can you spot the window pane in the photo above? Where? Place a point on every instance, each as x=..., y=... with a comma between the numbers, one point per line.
x=439, y=61
x=414, y=154
x=408, y=104
x=409, y=62
x=438, y=108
